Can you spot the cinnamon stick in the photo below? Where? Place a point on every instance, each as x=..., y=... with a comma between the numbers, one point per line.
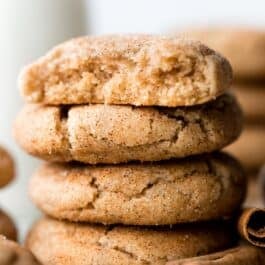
x=251, y=226
x=242, y=255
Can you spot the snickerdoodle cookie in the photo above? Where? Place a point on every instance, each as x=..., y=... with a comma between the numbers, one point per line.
x=6, y=167
x=113, y=134
x=133, y=69
x=252, y=99
x=54, y=242
x=7, y=227
x=13, y=254
x=243, y=47
x=250, y=147
x=192, y=189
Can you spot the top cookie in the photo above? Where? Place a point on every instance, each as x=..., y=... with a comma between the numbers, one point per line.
x=244, y=48
x=131, y=69
x=6, y=167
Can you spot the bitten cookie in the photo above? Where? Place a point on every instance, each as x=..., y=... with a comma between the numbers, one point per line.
x=54, y=242
x=7, y=227
x=6, y=167
x=113, y=134
x=188, y=190
x=131, y=69
x=13, y=254
x=249, y=148
x=252, y=100
x=244, y=48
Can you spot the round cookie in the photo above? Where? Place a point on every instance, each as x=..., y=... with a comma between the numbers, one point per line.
x=7, y=170
x=243, y=47
x=113, y=134
x=249, y=148
x=7, y=227
x=54, y=242
x=131, y=69
x=13, y=254
x=188, y=190
x=251, y=98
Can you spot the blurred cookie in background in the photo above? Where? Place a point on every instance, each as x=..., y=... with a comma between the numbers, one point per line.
x=7, y=227
x=250, y=148
x=244, y=47
x=256, y=190
x=7, y=174
x=251, y=97
x=13, y=254
x=7, y=168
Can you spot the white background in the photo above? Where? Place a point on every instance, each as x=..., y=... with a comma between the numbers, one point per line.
x=30, y=27
x=158, y=16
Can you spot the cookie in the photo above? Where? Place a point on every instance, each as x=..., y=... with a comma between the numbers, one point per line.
x=243, y=47
x=13, y=254
x=113, y=134
x=7, y=170
x=54, y=242
x=7, y=227
x=251, y=98
x=131, y=69
x=187, y=190
x=249, y=148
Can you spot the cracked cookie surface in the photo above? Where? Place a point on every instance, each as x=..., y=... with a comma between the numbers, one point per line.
x=7, y=167
x=113, y=134
x=13, y=254
x=54, y=242
x=7, y=227
x=131, y=69
x=188, y=190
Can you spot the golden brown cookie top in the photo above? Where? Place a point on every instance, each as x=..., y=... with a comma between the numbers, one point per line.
x=245, y=48
x=13, y=254
x=129, y=69
x=7, y=168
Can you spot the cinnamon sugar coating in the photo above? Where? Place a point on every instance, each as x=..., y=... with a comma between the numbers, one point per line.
x=130, y=69
x=113, y=134
x=61, y=243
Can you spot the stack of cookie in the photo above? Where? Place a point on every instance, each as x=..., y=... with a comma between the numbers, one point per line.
x=7, y=172
x=129, y=126
x=245, y=48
